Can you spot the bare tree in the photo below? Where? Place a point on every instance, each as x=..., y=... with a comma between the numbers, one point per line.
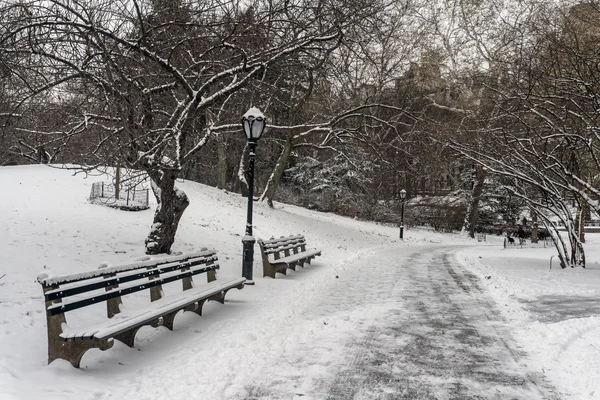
x=144, y=74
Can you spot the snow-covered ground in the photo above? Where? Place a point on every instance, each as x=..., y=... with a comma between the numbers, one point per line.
x=555, y=312
x=48, y=225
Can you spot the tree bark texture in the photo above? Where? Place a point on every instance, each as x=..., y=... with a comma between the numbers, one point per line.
x=117, y=182
x=583, y=217
x=242, y=173
x=534, y=227
x=473, y=207
x=172, y=202
x=221, y=163
x=275, y=177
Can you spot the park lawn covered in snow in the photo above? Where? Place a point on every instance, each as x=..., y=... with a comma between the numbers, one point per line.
x=49, y=226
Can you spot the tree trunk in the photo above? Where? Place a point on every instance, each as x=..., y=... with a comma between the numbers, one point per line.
x=222, y=162
x=583, y=217
x=117, y=182
x=43, y=157
x=275, y=177
x=472, y=215
x=172, y=202
x=466, y=222
x=242, y=173
x=559, y=245
x=576, y=251
x=534, y=227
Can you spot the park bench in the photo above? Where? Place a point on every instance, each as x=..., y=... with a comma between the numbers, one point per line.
x=286, y=252
x=71, y=292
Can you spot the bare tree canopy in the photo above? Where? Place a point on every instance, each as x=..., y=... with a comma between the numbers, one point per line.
x=143, y=83
x=465, y=99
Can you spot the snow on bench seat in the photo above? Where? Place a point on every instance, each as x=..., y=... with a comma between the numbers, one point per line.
x=295, y=257
x=139, y=317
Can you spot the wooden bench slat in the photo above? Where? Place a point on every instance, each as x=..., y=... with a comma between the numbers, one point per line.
x=278, y=242
x=127, y=319
x=70, y=305
x=286, y=239
x=296, y=257
x=283, y=248
x=86, y=285
x=60, y=280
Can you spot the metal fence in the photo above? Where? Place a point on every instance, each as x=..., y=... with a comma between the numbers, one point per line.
x=133, y=198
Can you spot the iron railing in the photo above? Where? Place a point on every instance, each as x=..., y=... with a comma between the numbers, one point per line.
x=129, y=197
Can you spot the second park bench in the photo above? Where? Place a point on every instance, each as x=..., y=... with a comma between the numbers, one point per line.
x=285, y=252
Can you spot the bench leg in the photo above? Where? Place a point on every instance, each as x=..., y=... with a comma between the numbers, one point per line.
x=74, y=351
x=268, y=270
x=128, y=337
x=169, y=319
x=197, y=307
x=220, y=297
x=71, y=351
x=239, y=287
x=292, y=266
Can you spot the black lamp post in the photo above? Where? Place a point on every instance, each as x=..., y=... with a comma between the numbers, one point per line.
x=254, y=123
x=402, y=197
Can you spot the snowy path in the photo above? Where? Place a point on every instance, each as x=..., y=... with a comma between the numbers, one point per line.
x=416, y=327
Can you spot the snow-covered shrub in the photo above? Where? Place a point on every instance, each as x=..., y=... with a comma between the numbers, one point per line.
x=332, y=185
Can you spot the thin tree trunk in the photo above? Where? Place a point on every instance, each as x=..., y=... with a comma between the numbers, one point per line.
x=275, y=178
x=466, y=221
x=172, y=202
x=472, y=215
x=581, y=255
x=560, y=247
x=117, y=182
x=222, y=162
x=534, y=227
x=576, y=250
x=242, y=172
x=583, y=217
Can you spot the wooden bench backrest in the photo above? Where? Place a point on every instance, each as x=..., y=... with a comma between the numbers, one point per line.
x=71, y=292
x=275, y=247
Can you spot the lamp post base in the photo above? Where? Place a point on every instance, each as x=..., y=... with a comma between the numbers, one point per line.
x=248, y=259
x=402, y=232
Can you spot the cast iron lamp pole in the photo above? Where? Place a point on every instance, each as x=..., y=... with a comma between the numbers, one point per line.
x=402, y=197
x=254, y=123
